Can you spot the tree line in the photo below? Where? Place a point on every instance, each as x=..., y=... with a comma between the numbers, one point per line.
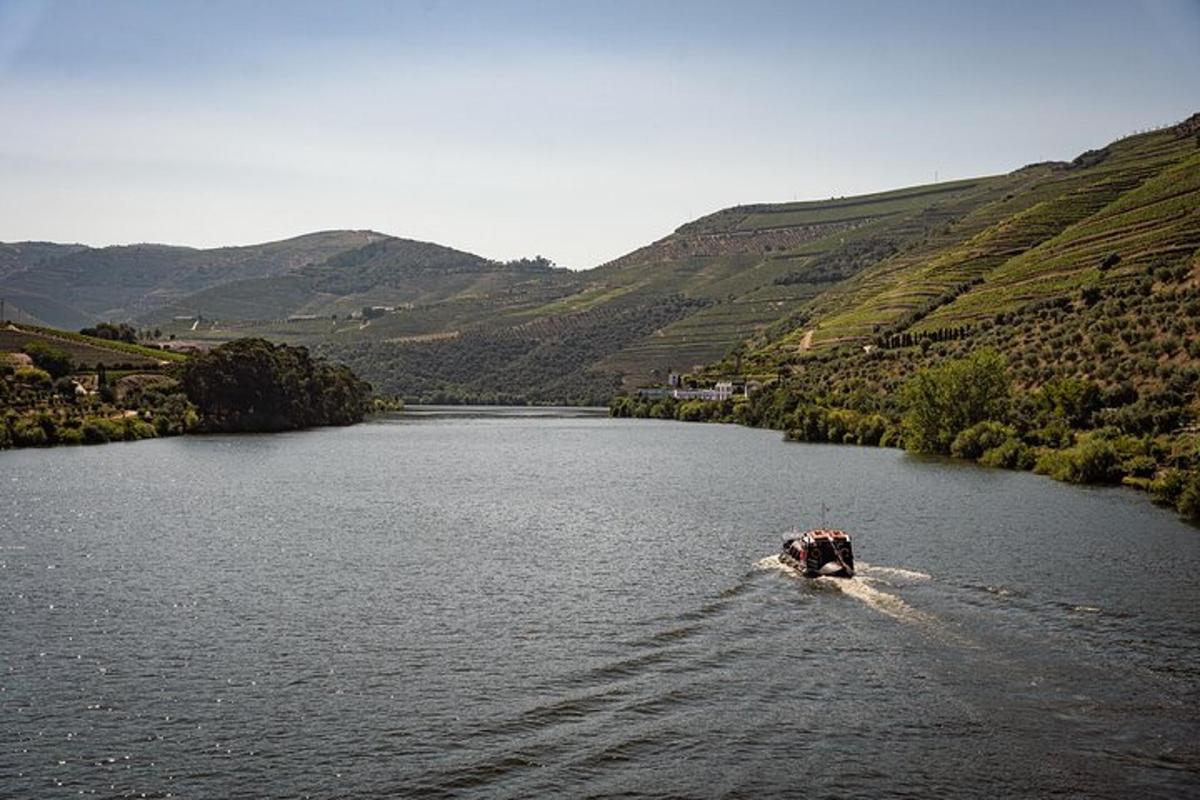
x=1069, y=428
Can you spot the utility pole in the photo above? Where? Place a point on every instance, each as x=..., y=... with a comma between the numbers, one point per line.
x=1, y=309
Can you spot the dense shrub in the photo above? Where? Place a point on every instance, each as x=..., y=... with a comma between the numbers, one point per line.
x=34, y=377
x=27, y=433
x=1055, y=435
x=870, y=429
x=97, y=430
x=1091, y=461
x=662, y=410
x=1074, y=400
x=64, y=387
x=1168, y=486
x=123, y=332
x=1010, y=454
x=133, y=429
x=1188, y=502
x=50, y=358
x=70, y=436
x=1139, y=466
x=980, y=437
x=840, y=423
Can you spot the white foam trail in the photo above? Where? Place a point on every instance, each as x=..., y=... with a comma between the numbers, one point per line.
x=898, y=572
x=773, y=563
x=884, y=603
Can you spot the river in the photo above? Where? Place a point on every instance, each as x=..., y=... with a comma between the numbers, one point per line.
x=537, y=603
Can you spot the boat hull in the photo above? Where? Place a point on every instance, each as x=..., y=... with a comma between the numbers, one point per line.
x=827, y=570
x=819, y=554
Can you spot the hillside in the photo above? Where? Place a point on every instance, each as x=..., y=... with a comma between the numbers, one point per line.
x=86, y=352
x=386, y=272
x=1108, y=220
x=687, y=299
x=71, y=286
x=21, y=255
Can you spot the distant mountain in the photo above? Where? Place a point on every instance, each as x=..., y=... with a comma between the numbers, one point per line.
x=22, y=255
x=387, y=272
x=70, y=285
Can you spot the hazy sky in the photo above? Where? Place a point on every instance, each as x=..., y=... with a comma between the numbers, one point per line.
x=578, y=130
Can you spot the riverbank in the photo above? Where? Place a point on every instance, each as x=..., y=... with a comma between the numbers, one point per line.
x=1070, y=430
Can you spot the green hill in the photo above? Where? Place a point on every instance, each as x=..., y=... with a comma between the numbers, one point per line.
x=71, y=286
x=386, y=272
x=998, y=258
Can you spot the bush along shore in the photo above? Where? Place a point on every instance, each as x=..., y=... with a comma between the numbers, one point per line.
x=1069, y=428
x=243, y=386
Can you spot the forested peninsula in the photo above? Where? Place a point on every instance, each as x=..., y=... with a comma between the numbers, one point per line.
x=63, y=388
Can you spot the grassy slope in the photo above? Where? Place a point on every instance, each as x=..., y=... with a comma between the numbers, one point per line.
x=1010, y=246
x=1155, y=223
x=85, y=351
x=750, y=264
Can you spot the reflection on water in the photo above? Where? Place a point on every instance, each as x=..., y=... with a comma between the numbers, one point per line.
x=498, y=603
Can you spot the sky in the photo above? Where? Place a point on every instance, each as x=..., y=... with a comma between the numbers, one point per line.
x=574, y=130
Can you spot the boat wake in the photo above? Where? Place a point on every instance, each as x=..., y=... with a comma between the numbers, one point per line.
x=773, y=564
x=894, y=572
x=887, y=604
x=860, y=588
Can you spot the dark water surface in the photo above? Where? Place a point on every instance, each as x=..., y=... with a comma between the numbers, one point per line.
x=526, y=605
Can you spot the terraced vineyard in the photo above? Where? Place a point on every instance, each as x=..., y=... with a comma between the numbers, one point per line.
x=1013, y=250
x=1156, y=223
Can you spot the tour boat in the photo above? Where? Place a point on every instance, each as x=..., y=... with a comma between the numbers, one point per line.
x=820, y=552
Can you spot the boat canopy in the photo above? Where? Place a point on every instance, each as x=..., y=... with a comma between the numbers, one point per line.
x=827, y=534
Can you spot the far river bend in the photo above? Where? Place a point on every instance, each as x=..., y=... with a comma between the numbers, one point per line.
x=555, y=604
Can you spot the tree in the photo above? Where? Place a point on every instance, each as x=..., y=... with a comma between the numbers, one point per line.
x=253, y=385
x=940, y=402
x=50, y=358
x=1073, y=399
x=123, y=332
